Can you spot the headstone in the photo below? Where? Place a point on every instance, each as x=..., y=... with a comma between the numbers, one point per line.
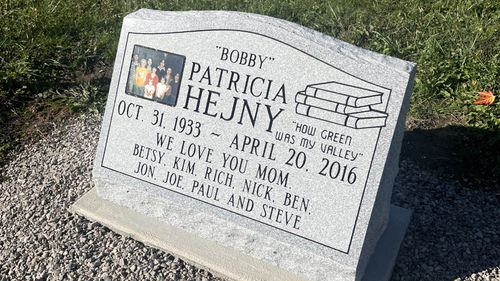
x=259, y=136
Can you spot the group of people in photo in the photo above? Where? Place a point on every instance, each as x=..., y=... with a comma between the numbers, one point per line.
x=153, y=81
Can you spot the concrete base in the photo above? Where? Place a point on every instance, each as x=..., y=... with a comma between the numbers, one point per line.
x=223, y=261
x=384, y=258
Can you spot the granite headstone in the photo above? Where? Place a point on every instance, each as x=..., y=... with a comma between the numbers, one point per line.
x=259, y=135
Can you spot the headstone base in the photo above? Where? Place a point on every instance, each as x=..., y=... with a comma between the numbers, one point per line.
x=220, y=260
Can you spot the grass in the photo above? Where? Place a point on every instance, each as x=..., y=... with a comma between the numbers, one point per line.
x=54, y=54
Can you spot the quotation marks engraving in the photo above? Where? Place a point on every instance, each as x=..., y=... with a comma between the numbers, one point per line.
x=243, y=57
x=220, y=47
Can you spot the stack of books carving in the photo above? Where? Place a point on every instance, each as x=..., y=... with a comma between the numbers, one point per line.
x=341, y=104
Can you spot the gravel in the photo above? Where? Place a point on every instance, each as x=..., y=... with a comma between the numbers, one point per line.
x=454, y=233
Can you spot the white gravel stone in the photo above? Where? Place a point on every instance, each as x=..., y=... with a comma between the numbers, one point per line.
x=454, y=232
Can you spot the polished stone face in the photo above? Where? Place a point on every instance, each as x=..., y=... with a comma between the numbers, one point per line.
x=255, y=133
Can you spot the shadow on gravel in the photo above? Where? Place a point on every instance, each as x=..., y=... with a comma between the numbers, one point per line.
x=454, y=231
x=469, y=155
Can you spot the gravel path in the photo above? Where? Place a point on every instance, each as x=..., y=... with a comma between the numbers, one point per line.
x=454, y=233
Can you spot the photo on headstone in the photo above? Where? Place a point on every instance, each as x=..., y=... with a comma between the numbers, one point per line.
x=155, y=75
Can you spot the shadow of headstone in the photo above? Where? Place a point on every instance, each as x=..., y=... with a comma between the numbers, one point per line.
x=455, y=227
x=469, y=155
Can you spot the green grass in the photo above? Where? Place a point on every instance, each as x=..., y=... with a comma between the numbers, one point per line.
x=50, y=51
